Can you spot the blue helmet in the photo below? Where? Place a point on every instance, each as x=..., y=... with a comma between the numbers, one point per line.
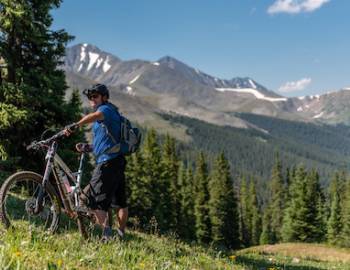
x=97, y=88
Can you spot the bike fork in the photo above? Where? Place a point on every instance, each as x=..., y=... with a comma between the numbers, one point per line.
x=41, y=194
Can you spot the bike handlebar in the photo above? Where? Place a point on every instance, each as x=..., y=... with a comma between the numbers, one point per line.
x=63, y=133
x=36, y=145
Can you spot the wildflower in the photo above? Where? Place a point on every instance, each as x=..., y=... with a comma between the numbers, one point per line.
x=23, y=243
x=233, y=257
x=142, y=265
x=296, y=260
x=59, y=262
x=18, y=254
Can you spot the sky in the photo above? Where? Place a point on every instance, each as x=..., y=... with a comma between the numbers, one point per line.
x=293, y=47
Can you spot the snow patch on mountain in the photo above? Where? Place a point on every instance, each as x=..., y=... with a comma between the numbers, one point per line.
x=82, y=54
x=135, y=79
x=99, y=62
x=254, y=92
x=315, y=96
x=106, y=66
x=318, y=115
x=252, y=84
x=93, y=57
x=156, y=64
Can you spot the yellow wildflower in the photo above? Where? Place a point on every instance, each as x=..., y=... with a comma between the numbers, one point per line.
x=233, y=257
x=18, y=254
x=59, y=262
x=142, y=265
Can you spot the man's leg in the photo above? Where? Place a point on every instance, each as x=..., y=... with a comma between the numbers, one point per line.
x=122, y=218
x=101, y=218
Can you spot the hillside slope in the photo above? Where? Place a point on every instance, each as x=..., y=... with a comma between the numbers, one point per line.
x=66, y=250
x=252, y=151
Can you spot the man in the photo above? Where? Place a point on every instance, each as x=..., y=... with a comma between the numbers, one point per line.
x=107, y=185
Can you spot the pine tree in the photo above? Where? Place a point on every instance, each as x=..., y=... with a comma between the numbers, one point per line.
x=345, y=232
x=170, y=189
x=186, y=218
x=32, y=93
x=294, y=221
x=266, y=234
x=244, y=214
x=255, y=218
x=304, y=216
x=152, y=179
x=277, y=203
x=201, y=209
x=139, y=189
x=223, y=206
x=334, y=226
x=315, y=209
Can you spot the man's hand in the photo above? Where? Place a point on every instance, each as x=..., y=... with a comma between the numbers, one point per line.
x=68, y=130
x=83, y=147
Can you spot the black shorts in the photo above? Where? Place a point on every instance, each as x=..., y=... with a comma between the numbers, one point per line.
x=107, y=185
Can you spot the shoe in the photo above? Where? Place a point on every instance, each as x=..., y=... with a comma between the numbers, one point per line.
x=106, y=239
x=107, y=235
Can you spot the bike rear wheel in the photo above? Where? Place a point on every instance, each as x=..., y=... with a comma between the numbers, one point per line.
x=18, y=198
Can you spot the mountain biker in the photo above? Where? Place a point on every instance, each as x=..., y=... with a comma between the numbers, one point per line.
x=107, y=185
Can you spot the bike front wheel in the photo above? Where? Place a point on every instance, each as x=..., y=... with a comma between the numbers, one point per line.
x=18, y=196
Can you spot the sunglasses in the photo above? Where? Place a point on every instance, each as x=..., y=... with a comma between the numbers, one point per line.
x=93, y=96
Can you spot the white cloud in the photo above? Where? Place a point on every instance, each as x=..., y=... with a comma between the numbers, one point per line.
x=295, y=6
x=295, y=86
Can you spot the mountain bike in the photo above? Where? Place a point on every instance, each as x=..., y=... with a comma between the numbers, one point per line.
x=28, y=198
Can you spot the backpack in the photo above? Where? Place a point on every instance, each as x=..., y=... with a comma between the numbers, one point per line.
x=130, y=137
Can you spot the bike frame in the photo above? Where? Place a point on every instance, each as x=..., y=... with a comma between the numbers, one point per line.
x=55, y=165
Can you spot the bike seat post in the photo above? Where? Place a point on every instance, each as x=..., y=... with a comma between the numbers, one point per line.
x=79, y=176
x=80, y=169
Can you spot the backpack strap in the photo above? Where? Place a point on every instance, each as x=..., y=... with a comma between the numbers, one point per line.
x=117, y=146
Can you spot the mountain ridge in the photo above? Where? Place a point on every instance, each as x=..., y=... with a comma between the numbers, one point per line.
x=173, y=86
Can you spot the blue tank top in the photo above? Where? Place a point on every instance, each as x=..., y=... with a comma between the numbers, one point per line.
x=101, y=140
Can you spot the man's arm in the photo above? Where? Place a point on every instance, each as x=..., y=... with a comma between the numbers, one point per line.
x=90, y=118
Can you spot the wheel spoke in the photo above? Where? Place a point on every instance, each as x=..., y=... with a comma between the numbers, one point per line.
x=19, y=203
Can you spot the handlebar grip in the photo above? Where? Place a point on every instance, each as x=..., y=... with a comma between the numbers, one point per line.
x=34, y=145
x=72, y=127
x=29, y=147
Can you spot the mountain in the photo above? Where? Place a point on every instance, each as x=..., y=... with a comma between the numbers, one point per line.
x=170, y=85
x=238, y=116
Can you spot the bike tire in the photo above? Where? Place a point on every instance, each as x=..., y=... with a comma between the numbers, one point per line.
x=51, y=222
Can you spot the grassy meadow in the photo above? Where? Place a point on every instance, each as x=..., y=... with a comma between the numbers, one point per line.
x=35, y=249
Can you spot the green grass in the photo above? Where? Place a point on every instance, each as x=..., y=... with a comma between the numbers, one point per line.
x=66, y=250
x=298, y=256
x=35, y=249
